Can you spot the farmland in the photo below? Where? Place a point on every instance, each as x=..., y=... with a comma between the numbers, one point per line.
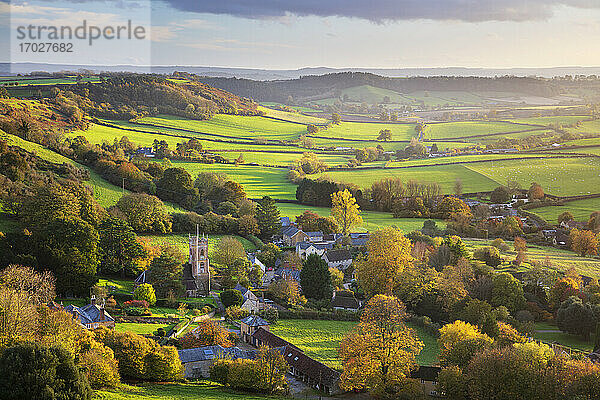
x=181, y=241
x=581, y=210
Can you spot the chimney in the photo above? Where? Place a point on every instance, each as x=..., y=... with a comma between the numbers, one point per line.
x=93, y=299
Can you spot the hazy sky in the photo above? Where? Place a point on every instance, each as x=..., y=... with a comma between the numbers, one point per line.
x=341, y=33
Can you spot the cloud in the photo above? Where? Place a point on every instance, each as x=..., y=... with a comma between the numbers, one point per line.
x=386, y=10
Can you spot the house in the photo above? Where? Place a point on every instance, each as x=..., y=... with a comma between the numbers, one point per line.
x=267, y=273
x=428, y=376
x=145, y=152
x=343, y=301
x=249, y=325
x=287, y=273
x=197, y=361
x=359, y=239
x=549, y=234
x=251, y=302
x=315, y=237
x=305, y=249
x=292, y=235
x=560, y=239
x=302, y=367
x=91, y=316
x=568, y=225
x=340, y=259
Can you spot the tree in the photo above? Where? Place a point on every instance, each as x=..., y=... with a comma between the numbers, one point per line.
x=536, y=192
x=573, y=316
x=231, y=297
x=379, y=353
x=208, y=333
x=458, y=186
x=248, y=225
x=176, y=185
x=315, y=279
x=489, y=255
x=453, y=383
x=385, y=135
x=120, y=252
x=584, y=243
x=507, y=291
x=144, y=213
x=165, y=272
x=286, y=291
x=337, y=277
x=336, y=118
x=228, y=250
x=563, y=289
x=312, y=129
x=388, y=255
x=272, y=368
x=31, y=371
x=37, y=287
x=145, y=292
x=459, y=342
x=269, y=254
x=501, y=194
x=565, y=216
x=267, y=216
x=345, y=211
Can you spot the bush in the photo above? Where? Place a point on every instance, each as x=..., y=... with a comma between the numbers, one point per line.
x=100, y=367
x=137, y=312
x=271, y=315
x=146, y=293
x=219, y=371
x=524, y=316
x=500, y=244
x=233, y=313
x=231, y=297
x=136, y=303
x=31, y=371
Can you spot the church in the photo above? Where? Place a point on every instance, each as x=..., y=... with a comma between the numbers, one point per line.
x=196, y=273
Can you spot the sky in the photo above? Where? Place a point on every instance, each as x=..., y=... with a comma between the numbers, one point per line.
x=290, y=34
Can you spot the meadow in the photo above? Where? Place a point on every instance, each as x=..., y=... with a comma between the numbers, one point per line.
x=139, y=328
x=581, y=210
x=461, y=129
x=181, y=241
x=293, y=116
x=321, y=339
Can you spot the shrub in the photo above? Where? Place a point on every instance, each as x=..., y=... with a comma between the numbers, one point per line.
x=271, y=315
x=231, y=297
x=136, y=303
x=146, y=293
x=100, y=367
x=31, y=371
x=500, y=244
x=137, y=312
x=233, y=313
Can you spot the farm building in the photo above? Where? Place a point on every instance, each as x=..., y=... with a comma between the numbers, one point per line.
x=305, y=249
x=249, y=325
x=251, y=302
x=197, y=362
x=292, y=235
x=428, y=376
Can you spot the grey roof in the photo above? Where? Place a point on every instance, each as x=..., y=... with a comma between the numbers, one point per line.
x=254, y=320
x=89, y=314
x=338, y=255
x=288, y=273
x=359, y=242
x=345, y=302
x=212, y=352
x=290, y=231
x=285, y=221
x=314, y=234
x=242, y=290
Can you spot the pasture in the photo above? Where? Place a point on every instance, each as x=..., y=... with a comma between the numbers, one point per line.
x=321, y=339
x=293, y=116
x=368, y=131
x=181, y=241
x=581, y=210
x=461, y=129
x=139, y=328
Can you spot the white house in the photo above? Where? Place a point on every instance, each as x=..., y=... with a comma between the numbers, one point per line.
x=305, y=249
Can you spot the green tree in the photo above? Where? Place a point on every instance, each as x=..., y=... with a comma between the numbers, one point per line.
x=176, y=185
x=120, y=252
x=267, y=216
x=575, y=317
x=228, y=250
x=501, y=194
x=336, y=118
x=145, y=213
x=31, y=371
x=385, y=135
x=315, y=278
x=145, y=292
x=165, y=272
x=231, y=297
x=507, y=291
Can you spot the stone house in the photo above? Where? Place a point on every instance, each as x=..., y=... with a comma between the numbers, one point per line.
x=251, y=324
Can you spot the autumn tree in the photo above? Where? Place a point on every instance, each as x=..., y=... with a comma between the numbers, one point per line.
x=459, y=342
x=337, y=277
x=287, y=291
x=379, y=353
x=345, y=211
x=388, y=255
x=536, y=192
x=584, y=243
x=228, y=250
x=336, y=118
x=272, y=369
x=207, y=333
x=144, y=213
x=565, y=216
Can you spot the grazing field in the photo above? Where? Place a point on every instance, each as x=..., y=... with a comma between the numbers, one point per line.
x=581, y=210
x=559, y=119
x=321, y=339
x=373, y=95
x=181, y=241
x=139, y=328
x=293, y=116
x=587, y=127
x=469, y=128
x=257, y=181
x=372, y=220
x=204, y=390
x=300, y=109
x=445, y=175
x=70, y=80
x=281, y=159
x=368, y=131
x=561, y=177
x=565, y=339
x=235, y=126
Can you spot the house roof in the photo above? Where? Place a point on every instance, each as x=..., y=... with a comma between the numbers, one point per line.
x=338, y=255
x=345, y=302
x=270, y=339
x=89, y=314
x=290, y=231
x=212, y=352
x=288, y=273
x=254, y=320
x=426, y=373
x=285, y=221
x=359, y=242
x=317, y=371
x=314, y=234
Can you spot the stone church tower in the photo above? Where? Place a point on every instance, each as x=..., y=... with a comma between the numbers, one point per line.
x=199, y=263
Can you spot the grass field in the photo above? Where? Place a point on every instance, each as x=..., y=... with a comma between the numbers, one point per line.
x=204, y=390
x=138, y=328
x=293, y=116
x=581, y=210
x=559, y=119
x=469, y=128
x=573, y=341
x=321, y=339
x=233, y=125
x=562, y=177
x=366, y=130
x=445, y=175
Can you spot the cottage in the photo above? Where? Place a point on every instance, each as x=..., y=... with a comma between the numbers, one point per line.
x=197, y=362
x=315, y=237
x=560, y=240
x=305, y=249
x=251, y=302
x=285, y=222
x=292, y=235
x=250, y=324
x=287, y=273
x=268, y=273
x=91, y=316
x=359, y=239
x=340, y=259
x=428, y=376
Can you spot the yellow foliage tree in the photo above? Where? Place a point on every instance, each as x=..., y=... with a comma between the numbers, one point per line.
x=389, y=254
x=584, y=243
x=379, y=353
x=345, y=210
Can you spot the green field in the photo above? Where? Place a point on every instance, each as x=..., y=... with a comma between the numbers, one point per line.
x=70, y=80
x=561, y=177
x=445, y=175
x=559, y=119
x=372, y=95
x=321, y=339
x=138, y=328
x=565, y=339
x=293, y=116
x=372, y=220
x=236, y=126
x=469, y=128
x=581, y=210
x=366, y=130
x=281, y=159
x=204, y=390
